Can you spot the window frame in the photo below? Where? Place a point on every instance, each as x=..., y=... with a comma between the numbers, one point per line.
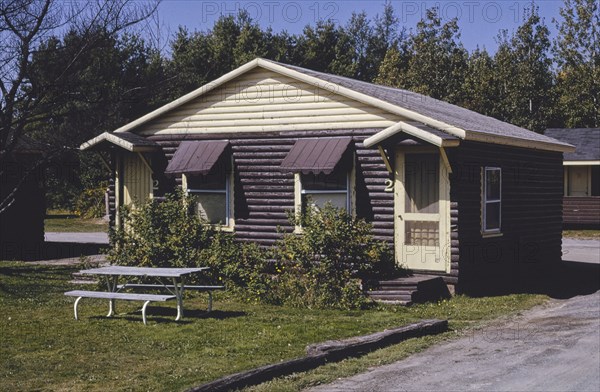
x=299, y=192
x=229, y=223
x=485, y=201
x=304, y=191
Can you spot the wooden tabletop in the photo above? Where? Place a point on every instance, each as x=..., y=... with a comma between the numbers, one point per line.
x=143, y=271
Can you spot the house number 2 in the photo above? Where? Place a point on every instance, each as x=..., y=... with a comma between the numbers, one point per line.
x=389, y=185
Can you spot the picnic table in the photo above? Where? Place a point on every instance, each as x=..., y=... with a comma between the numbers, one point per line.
x=169, y=279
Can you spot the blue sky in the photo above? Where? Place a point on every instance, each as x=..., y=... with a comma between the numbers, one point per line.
x=479, y=21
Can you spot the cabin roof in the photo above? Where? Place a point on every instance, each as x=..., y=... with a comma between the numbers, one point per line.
x=585, y=140
x=442, y=116
x=126, y=140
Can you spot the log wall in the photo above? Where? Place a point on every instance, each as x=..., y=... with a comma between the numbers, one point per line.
x=530, y=244
x=581, y=212
x=264, y=195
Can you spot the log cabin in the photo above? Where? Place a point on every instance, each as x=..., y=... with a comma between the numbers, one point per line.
x=455, y=193
x=581, y=202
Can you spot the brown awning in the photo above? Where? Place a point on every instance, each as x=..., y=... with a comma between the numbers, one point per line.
x=196, y=157
x=320, y=155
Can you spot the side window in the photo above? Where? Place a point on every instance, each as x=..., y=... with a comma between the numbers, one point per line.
x=213, y=194
x=491, y=203
x=320, y=189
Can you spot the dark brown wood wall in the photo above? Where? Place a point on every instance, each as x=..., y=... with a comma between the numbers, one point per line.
x=530, y=244
x=264, y=195
x=581, y=212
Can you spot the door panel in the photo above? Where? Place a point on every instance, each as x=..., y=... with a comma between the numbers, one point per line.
x=422, y=215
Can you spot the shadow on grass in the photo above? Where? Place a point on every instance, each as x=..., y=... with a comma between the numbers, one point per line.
x=62, y=216
x=167, y=315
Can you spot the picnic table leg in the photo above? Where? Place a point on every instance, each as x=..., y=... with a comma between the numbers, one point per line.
x=75, y=307
x=111, y=282
x=144, y=311
x=179, y=294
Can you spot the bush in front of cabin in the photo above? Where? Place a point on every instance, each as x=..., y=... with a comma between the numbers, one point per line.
x=240, y=266
x=159, y=234
x=170, y=233
x=323, y=266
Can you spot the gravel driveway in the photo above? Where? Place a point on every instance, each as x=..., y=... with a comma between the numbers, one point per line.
x=554, y=347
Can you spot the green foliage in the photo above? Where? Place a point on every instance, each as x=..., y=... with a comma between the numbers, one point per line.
x=171, y=234
x=90, y=203
x=433, y=62
x=160, y=234
x=240, y=266
x=524, y=73
x=577, y=54
x=322, y=266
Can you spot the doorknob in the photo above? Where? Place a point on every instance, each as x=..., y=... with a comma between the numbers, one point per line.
x=400, y=216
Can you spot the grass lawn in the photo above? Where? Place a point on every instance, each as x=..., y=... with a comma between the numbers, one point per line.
x=64, y=221
x=43, y=347
x=582, y=234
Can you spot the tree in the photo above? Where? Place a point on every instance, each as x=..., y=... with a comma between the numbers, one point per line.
x=352, y=49
x=392, y=68
x=318, y=45
x=436, y=60
x=385, y=37
x=480, y=87
x=24, y=26
x=577, y=53
x=525, y=75
x=117, y=81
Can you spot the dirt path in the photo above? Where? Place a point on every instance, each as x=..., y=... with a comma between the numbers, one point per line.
x=555, y=347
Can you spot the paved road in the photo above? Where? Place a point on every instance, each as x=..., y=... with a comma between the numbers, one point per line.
x=79, y=238
x=554, y=347
x=585, y=251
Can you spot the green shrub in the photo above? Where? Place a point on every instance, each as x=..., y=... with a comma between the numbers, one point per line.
x=171, y=234
x=323, y=266
x=160, y=234
x=238, y=265
x=90, y=203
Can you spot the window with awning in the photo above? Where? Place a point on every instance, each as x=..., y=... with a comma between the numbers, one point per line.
x=196, y=157
x=207, y=172
x=323, y=171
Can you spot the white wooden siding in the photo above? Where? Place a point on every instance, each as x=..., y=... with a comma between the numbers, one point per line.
x=261, y=101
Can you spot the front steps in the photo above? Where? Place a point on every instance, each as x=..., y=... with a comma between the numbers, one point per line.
x=408, y=290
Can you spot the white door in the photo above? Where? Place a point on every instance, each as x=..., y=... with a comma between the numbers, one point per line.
x=422, y=212
x=578, y=179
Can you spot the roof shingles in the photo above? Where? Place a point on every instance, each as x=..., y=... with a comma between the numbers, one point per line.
x=585, y=140
x=442, y=111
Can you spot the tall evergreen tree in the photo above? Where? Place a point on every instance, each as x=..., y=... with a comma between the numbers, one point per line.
x=392, y=68
x=525, y=74
x=318, y=46
x=352, y=49
x=480, y=88
x=436, y=60
x=577, y=53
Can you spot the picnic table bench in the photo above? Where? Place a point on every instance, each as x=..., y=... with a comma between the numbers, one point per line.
x=147, y=298
x=207, y=289
x=176, y=286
